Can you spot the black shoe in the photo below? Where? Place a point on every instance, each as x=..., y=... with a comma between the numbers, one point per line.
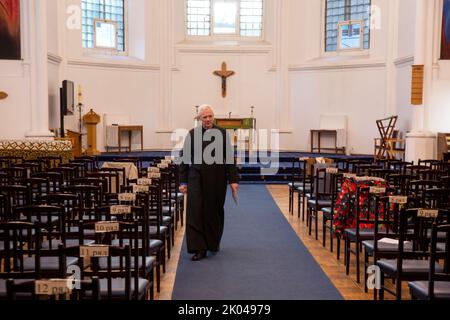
x=199, y=256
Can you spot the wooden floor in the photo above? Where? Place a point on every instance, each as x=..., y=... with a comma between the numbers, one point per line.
x=332, y=267
x=168, y=279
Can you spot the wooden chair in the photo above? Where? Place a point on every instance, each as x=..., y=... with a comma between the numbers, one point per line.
x=27, y=291
x=410, y=265
x=389, y=145
x=438, y=285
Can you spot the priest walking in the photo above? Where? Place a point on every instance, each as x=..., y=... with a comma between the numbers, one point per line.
x=207, y=167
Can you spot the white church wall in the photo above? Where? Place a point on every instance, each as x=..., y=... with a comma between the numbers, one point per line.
x=347, y=79
x=286, y=77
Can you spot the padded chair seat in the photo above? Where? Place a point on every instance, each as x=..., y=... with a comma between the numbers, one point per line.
x=320, y=203
x=385, y=247
x=3, y=293
x=167, y=211
x=327, y=212
x=410, y=267
x=178, y=196
x=420, y=289
x=440, y=246
x=155, y=244
x=165, y=220
x=87, y=232
x=307, y=188
x=118, y=288
x=364, y=234
x=44, y=220
x=296, y=185
x=441, y=236
x=153, y=230
x=48, y=263
x=69, y=243
x=115, y=263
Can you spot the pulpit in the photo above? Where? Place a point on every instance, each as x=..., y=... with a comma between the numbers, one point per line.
x=92, y=120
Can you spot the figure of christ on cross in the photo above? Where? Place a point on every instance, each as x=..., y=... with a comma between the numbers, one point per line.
x=224, y=74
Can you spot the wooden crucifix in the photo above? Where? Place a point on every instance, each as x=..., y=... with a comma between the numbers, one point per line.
x=224, y=74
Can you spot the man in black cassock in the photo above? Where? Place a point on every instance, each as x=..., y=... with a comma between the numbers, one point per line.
x=207, y=166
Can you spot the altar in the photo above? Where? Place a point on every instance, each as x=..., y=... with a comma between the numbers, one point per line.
x=237, y=124
x=34, y=149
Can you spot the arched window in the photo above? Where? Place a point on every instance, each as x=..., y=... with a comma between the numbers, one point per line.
x=224, y=17
x=343, y=14
x=103, y=24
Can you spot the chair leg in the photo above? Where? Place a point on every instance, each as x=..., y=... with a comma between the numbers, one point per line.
x=358, y=266
x=366, y=265
x=347, y=256
x=316, y=220
x=331, y=237
x=324, y=231
x=305, y=205
x=338, y=253
x=398, y=290
x=299, y=203
x=381, y=292
x=290, y=200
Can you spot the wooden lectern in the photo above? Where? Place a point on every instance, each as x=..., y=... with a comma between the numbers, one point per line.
x=92, y=120
x=76, y=139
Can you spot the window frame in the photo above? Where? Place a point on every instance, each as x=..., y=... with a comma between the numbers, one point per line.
x=358, y=52
x=361, y=34
x=109, y=51
x=112, y=22
x=225, y=37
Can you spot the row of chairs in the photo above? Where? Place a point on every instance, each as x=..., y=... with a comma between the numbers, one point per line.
x=83, y=196
x=318, y=187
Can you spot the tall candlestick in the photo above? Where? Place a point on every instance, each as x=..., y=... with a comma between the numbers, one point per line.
x=80, y=95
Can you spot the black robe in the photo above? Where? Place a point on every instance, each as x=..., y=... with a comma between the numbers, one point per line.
x=207, y=188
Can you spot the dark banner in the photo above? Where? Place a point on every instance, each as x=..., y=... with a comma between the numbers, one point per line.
x=10, y=30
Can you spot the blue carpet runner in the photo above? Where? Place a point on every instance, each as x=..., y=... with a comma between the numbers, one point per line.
x=261, y=258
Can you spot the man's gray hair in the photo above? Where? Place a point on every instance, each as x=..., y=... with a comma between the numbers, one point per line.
x=203, y=108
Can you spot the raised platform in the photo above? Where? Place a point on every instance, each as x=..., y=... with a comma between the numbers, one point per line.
x=250, y=172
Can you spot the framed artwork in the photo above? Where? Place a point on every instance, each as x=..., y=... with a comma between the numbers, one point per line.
x=350, y=35
x=445, y=46
x=10, y=30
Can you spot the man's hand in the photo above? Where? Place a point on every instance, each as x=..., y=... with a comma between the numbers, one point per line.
x=184, y=189
x=234, y=187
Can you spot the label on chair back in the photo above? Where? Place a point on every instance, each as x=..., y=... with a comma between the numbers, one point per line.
x=94, y=251
x=120, y=210
x=153, y=175
x=51, y=287
x=425, y=213
x=377, y=190
x=127, y=197
x=332, y=170
x=154, y=170
x=163, y=166
x=144, y=182
x=138, y=188
x=398, y=199
x=166, y=161
x=107, y=227
x=169, y=158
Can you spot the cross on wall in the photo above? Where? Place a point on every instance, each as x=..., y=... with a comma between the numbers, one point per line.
x=224, y=74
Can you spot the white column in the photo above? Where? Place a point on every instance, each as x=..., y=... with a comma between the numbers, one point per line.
x=38, y=71
x=420, y=57
x=420, y=143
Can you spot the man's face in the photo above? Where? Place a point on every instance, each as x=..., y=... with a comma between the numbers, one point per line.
x=207, y=119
